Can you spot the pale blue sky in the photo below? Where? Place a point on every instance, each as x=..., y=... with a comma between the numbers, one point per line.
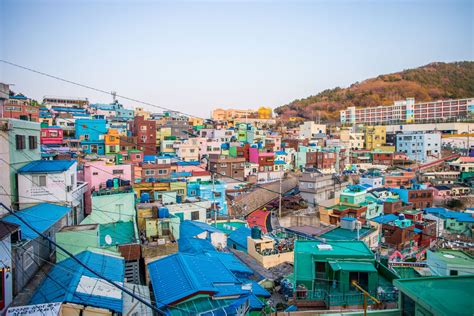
x=193, y=56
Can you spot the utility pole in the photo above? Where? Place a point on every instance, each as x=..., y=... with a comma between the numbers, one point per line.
x=279, y=202
x=214, y=199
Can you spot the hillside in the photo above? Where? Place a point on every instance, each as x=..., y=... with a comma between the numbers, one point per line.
x=431, y=82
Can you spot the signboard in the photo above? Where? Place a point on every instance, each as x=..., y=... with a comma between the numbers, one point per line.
x=49, y=309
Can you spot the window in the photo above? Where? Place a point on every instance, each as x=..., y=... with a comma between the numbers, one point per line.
x=20, y=142
x=86, y=136
x=95, y=173
x=73, y=179
x=53, y=133
x=162, y=171
x=143, y=138
x=39, y=180
x=149, y=172
x=33, y=142
x=117, y=171
x=195, y=215
x=138, y=156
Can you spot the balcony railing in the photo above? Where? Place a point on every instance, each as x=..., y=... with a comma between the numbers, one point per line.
x=335, y=298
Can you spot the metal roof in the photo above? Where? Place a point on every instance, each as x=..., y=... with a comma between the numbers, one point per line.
x=239, y=236
x=193, y=228
x=70, y=282
x=181, y=275
x=352, y=266
x=41, y=217
x=384, y=219
x=47, y=166
x=440, y=295
x=120, y=233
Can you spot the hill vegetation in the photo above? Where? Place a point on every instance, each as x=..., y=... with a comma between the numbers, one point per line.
x=434, y=81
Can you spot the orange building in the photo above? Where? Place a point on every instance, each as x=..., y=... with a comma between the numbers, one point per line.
x=397, y=179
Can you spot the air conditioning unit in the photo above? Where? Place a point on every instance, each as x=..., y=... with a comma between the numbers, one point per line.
x=6, y=126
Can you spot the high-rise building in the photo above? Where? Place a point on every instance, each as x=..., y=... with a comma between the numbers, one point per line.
x=408, y=112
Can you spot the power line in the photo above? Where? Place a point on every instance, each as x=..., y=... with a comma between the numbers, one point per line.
x=123, y=289
x=93, y=88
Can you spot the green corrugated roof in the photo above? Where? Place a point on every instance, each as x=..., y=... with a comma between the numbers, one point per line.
x=339, y=248
x=352, y=266
x=452, y=256
x=441, y=295
x=120, y=232
x=340, y=233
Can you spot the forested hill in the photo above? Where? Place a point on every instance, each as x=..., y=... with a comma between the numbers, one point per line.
x=431, y=82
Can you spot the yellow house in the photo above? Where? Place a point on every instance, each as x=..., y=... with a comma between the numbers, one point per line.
x=375, y=137
x=265, y=113
x=195, y=121
x=161, y=133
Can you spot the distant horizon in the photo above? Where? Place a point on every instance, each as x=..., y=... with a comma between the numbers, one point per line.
x=194, y=56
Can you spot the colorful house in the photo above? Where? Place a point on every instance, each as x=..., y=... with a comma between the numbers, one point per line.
x=52, y=135
x=204, y=190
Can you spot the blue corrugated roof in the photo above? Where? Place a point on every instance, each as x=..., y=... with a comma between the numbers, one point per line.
x=239, y=236
x=195, y=245
x=63, y=282
x=188, y=163
x=279, y=162
x=384, y=219
x=232, y=263
x=193, y=228
x=41, y=217
x=181, y=275
x=149, y=158
x=46, y=166
x=445, y=213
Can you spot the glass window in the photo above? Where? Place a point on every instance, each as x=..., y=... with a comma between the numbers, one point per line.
x=39, y=180
x=20, y=142
x=33, y=142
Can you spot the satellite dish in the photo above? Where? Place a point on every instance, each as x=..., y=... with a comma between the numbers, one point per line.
x=108, y=240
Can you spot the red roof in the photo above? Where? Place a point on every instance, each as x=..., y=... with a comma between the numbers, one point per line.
x=201, y=173
x=258, y=218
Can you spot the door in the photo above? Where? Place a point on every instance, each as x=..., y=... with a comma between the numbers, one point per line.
x=94, y=149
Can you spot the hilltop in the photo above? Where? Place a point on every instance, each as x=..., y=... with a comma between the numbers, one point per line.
x=431, y=82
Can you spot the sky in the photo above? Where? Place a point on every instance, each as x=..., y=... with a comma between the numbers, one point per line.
x=193, y=56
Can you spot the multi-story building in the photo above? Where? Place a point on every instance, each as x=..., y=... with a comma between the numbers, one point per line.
x=227, y=166
x=315, y=187
x=375, y=137
x=419, y=146
x=19, y=107
x=74, y=102
x=52, y=135
x=91, y=133
x=408, y=112
x=19, y=143
x=310, y=129
x=145, y=131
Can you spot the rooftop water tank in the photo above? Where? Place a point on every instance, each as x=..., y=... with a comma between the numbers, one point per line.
x=145, y=197
x=163, y=212
x=256, y=233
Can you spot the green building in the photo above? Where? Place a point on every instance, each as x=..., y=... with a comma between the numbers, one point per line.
x=324, y=272
x=436, y=296
x=19, y=145
x=111, y=206
x=353, y=194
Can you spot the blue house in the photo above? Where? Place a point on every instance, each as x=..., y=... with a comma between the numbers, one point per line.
x=91, y=134
x=203, y=190
x=201, y=283
x=69, y=281
x=238, y=239
x=46, y=218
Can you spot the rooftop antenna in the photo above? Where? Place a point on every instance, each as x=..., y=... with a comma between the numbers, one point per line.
x=114, y=96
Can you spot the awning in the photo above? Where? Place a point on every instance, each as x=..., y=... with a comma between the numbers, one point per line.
x=353, y=266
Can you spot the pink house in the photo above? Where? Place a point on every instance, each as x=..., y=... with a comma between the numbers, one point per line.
x=96, y=173
x=253, y=154
x=52, y=135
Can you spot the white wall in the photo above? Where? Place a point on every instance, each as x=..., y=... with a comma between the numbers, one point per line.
x=55, y=190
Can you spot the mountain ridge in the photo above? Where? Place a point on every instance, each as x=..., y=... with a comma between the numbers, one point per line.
x=434, y=81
